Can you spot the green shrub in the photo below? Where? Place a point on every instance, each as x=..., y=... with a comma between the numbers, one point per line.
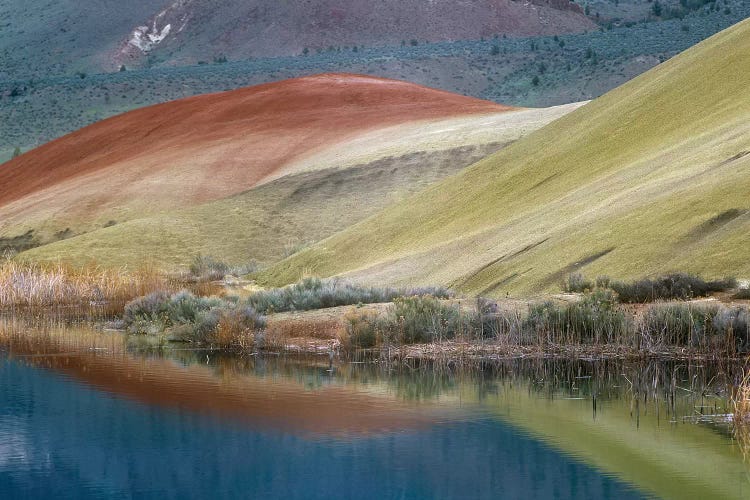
x=488, y=321
x=733, y=323
x=185, y=317
x=576, y=283
x=596, y=318
x=677, y=324
x=363, y=329
x=314, y=293
x=678, y=286
x=422, y=319
x=207, y=268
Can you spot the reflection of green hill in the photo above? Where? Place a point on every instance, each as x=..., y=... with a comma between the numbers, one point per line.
x=671, y=460
x=649, y=178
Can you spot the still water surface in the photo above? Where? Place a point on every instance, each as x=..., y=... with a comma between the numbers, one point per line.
x=83, y=414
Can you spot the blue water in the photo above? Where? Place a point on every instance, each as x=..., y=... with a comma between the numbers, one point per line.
x=60, y=438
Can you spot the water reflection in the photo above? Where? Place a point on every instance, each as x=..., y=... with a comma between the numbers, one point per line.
x=86, y=414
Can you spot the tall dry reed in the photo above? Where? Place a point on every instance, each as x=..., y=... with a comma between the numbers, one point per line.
x=46, y=285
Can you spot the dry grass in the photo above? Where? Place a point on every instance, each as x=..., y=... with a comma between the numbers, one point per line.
x=741, y=401
x=313, y=332
x=741, y=417
x=45, y=285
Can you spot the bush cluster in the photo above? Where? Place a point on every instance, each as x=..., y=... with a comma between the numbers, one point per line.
x=409, y=320
x=315, y=293
x=597, y=318
x=185, y=317
x=695, y=326
x=208, y=268
x=675, y=286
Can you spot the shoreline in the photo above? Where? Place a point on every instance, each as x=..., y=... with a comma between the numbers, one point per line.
x=324, y=325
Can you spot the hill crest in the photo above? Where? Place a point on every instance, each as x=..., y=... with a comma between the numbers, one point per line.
x=206, y=147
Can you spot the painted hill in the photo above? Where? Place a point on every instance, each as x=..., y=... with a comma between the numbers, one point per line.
x=204, y=148
x=651, y=177
x=313, y=198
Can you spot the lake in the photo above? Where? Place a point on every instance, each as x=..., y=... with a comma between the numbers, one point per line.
x=91, y=414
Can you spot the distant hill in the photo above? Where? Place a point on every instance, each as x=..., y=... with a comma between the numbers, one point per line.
x=187, y=31
x=652, y=177
x=43, y=37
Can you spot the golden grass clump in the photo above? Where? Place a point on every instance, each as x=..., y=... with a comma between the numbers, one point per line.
x=741, y=417
x=741, y=401
x=44, y=285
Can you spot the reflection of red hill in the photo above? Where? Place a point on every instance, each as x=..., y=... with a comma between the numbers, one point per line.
x=275, y=402
x=211, y=146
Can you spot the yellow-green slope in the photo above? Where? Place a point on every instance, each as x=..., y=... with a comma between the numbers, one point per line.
x=316, y=197
x=654, y=176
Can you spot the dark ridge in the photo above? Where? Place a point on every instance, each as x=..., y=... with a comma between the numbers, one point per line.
x=450, y=160
x=502, y=282
x=543, y=181
x=735, y=157
x=466, y=278
x=715, y=223
x=573, y=267
x=19, y=243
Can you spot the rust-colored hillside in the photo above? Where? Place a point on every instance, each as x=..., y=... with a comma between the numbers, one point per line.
x=207, y=147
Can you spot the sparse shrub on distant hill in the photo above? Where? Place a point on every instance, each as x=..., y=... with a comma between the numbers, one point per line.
x=59, y=105
x=577, y=283
x=207, y=268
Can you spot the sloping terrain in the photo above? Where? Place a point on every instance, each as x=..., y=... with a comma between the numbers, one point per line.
x=49, y=87
x=44, y=37
x=651, y=177
x=203, y=148
x=190, y=30
x=320, y=195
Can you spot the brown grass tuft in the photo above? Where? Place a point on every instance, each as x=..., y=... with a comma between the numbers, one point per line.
x=40, y=285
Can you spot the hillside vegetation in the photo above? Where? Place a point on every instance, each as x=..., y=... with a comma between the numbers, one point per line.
x=651, y=177
x=311, y=199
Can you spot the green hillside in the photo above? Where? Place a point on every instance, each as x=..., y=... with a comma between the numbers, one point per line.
x=653, y=176
x=266, y=222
